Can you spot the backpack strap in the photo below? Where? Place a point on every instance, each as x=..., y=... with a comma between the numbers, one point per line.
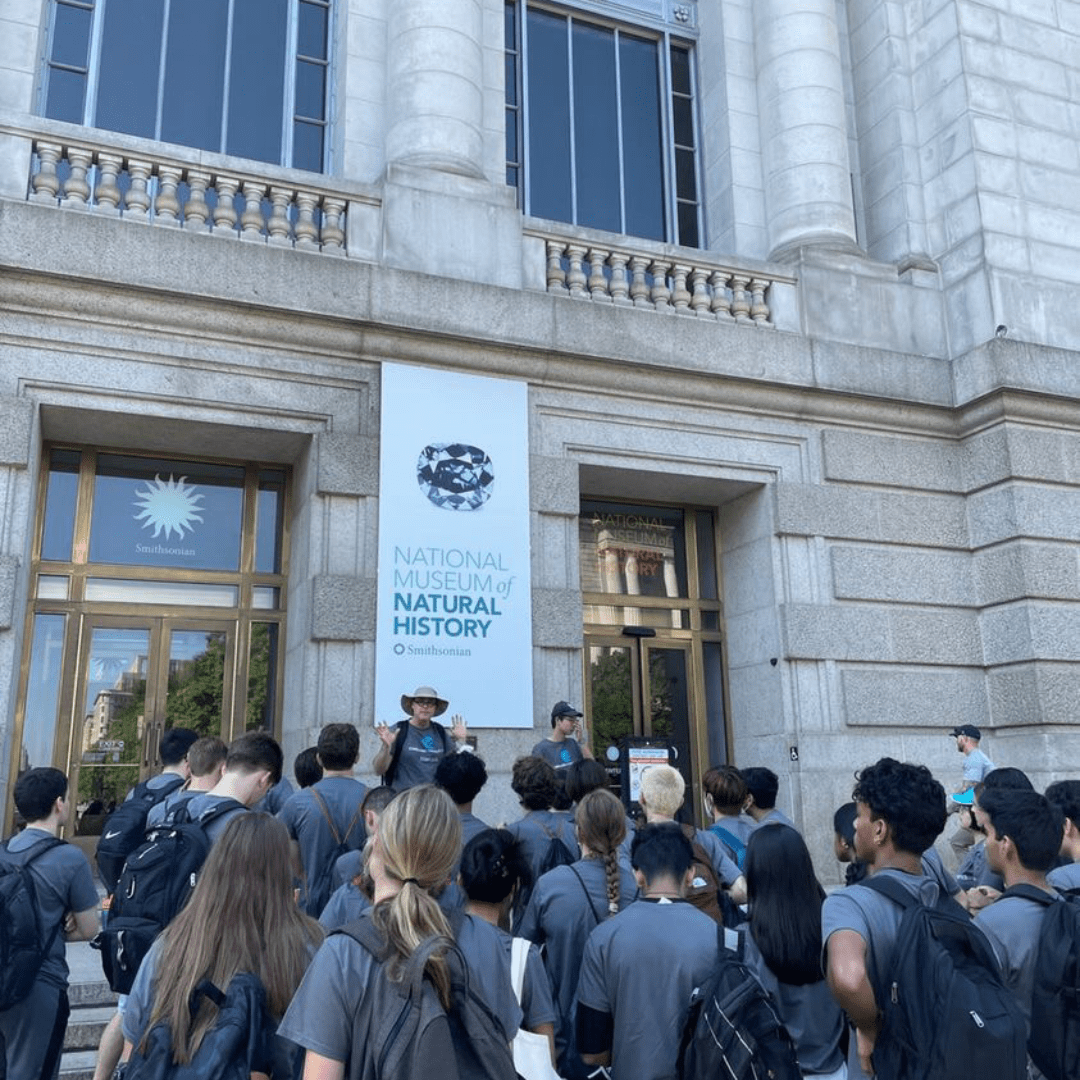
x=588, y=898
x=731, y=840
x=219, y=809
x=326, y=814
x=1030, y=892
x=395, y=753
x=891, y=889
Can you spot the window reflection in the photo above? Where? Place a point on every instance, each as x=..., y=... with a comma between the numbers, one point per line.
x=262, y=677
x=632, y=550
x=196, y=680
x=60, y=496
x=43, y=691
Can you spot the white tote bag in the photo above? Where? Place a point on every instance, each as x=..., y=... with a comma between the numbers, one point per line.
x=532, y=1052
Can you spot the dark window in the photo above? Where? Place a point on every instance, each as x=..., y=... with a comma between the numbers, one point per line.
x=212, y=74
x=606, y=125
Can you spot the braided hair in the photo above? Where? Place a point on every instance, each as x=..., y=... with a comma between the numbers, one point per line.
x=601, y=827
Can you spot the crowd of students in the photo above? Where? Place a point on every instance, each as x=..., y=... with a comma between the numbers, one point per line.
x=581, y=932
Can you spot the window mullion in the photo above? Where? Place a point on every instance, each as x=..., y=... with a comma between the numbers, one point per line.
x=224, y=139
x=524, y=109
x=667, y=129
x=619, y=130
x=162, y=65
x=93, y=60
x=288, y=112
x=573, y=126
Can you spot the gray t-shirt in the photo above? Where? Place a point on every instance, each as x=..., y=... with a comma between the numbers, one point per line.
x=63, y=882
x=536, y=1005
x=275, y=798
x=810, y=1013
x=420, y=756
x=345, y=905
x=560, y=916
x=776, y=816
x=559, y=755
x=976, y=767
x=727, y=871
x=168, y=806
x=156, y=783
x=320, y=1017
x=471, y=826
x=306, y=821
x=1012, y=925
x=489, y=969
x=1065, y=877
x=935, y=868
x=201, y=803
x=535, y=831
x=640, y=967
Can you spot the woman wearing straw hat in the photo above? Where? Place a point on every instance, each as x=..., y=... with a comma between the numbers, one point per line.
x=411, y=752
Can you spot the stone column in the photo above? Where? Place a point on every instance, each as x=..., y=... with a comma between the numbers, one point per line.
x=803, y=124
x=435, y=85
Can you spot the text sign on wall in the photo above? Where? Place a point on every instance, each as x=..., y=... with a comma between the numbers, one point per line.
x=454, y=600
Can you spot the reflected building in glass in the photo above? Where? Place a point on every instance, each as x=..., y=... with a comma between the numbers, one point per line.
x=791, y=289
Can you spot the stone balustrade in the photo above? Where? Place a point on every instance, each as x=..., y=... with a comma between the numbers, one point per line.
x=177, y=194
x=660, y=278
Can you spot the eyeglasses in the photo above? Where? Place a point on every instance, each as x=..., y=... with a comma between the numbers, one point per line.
x=425, y=701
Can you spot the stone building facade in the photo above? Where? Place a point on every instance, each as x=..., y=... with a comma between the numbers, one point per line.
x=791, y=284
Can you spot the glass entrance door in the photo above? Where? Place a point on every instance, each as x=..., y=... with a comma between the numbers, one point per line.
x=642, y=686
x=135, y=679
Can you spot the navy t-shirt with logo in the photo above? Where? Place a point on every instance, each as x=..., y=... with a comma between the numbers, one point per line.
x=420, y=756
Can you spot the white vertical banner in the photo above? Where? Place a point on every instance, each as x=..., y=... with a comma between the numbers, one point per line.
x=454, y=592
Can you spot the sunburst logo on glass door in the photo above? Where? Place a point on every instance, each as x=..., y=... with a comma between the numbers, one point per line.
x=169, y=506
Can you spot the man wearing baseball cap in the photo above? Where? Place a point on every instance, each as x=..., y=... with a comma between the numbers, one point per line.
x=560, y=749
x=976, y=767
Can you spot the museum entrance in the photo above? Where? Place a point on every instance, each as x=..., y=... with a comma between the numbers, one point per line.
x=653, y=633
x=157, y=602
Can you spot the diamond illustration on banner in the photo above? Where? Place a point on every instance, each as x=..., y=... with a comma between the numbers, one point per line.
x=169, y=506
x=455, y=476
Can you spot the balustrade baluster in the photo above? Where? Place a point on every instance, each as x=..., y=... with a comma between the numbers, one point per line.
x=225, y=211
x=307, y=232
x=699, y=292
x=196, y=209
x=251, y=220
x=740, y=303
x=76, y=189
x=45, y=183
x=680, y=296
x=619, y=285
x=107, y=190
x=661, y=294
x=137, y=199
x=598, y=286
x=332, y=234
x=278, y=225
x=721, y=305
x=575, y=279
x=167, y=205
x=556, y=276
x=639, y=287
x=759, y=309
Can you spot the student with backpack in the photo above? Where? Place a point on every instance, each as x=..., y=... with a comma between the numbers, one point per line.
x=781, y=945
x=762, y=786
x=491, y=870
x=546, y=836
x=326, y=819
x=725, y=795
x=389, y=996
x=206, y=763
x=243, y=935
x=641, y=965
x=569, y=902
x=661, y=795
x=907, y=965
x=1030, y=927
x=47, y=897
x=126, y=826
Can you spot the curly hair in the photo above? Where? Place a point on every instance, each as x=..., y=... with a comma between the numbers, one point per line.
x=907, y=797
x=533, y=781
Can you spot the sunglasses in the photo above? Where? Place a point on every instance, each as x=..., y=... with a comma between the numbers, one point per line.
x=425, y=701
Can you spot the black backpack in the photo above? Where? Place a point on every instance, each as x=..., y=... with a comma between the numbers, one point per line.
x=402, y=1032
x=557, y=854
x=157, y=880
x=399, y=745
x=240, y=1042
x=945, y=1008
x=1054, y=1042
x=21, y=949
x=321, y=883
x=125, y=829
x=733, y=1030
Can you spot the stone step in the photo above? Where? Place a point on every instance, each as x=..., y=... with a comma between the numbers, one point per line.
x=78, y=1065
x=85, y=1026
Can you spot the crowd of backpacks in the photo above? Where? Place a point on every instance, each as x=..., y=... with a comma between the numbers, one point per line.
x=943, y=1000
